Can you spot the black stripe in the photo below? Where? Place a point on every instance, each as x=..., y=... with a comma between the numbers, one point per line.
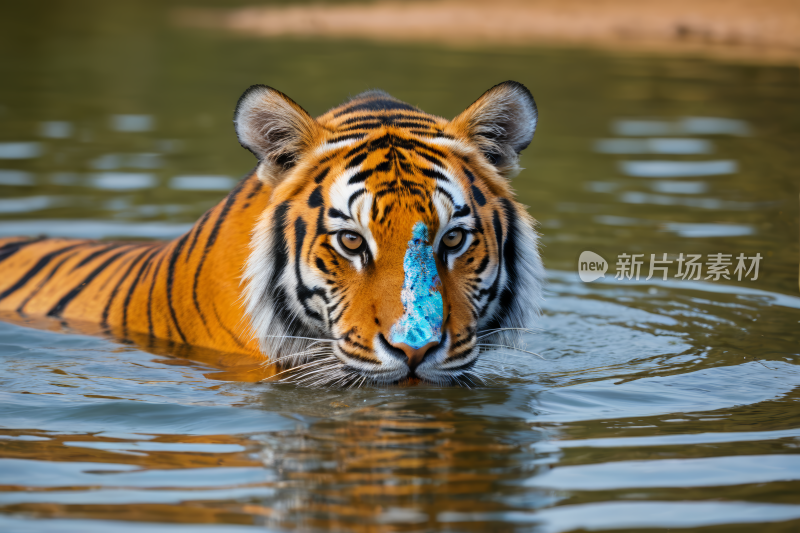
x=354, y=197
x=478, y=195
x=362, y=126
x=435, y=174
x=510, y=258
x=386, y=210
x=465, y=340
x=256, y=187
x=321, y=265
x=357, y=160
x=212, y=238
x=304, y=293
x=410, y=184
x=377, y=104
x=171, y=279
x=411, y=122
x=280, y=260
x=461, y=355
x=346, y=137
x=413, y=143
x=11, y=248
x=315, y=199
x=337, y=318
x=361, y=346
x=335, y=213
x=107, y=309
x=360, y=176
x=478, y=221
x=359, y=357
x=435, y=134
x=494, y=288
x=433, y=159
x=198, y=229
x=126, y=303
x=384, y=141
x=462, y=211
x=482, y=266
x=469, y=174
x=44, y=282
x=150, y=295
x=321, y=176
x=447, y=194
x=71, y=295
x=95, y=254
x=43, y=262
x=280, y=252
x=320, y=230
x=386, y=119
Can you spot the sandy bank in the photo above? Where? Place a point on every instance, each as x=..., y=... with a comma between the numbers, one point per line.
x=761, y=30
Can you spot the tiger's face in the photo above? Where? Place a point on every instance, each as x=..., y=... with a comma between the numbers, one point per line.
x=392, y=243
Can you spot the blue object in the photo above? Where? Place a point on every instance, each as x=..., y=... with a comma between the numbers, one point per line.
x=421, y=322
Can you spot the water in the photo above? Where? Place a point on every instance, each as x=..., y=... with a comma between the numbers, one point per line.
x=658, y=404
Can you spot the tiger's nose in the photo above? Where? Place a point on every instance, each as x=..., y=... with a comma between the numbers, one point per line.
x=415, y=355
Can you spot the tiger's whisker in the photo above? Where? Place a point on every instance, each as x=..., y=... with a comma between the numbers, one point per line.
x=316, y=351
x=489, y=333
x=313, y=363
x=295, y=337
x=315, y=371
x=512, y=348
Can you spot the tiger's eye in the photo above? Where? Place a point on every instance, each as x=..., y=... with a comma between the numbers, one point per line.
x=453, y=238
x=351, y=241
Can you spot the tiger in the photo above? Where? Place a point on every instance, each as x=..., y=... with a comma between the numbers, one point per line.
x=375, y=244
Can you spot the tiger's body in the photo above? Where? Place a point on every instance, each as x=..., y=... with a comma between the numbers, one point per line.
x=187, y=290
x=375, y=243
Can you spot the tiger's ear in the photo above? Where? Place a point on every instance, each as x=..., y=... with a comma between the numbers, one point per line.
x=275, y=129
x=501, y=122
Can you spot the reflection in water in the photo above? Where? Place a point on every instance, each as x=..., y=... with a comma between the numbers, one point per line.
x=202, y=183
x=56, y=129
x=132, y=123
x=640, y=515
x=91, y=229
x=20, y=150
x=632, y=197
x=679, y=187
x=30, y=203
x=677, y=169
x=115, y=161
x=683, y=126
x=678, y=473
x=659, y=404
x=65, y=178
x=654, y=146
x=688, y=229
x=123, y=181
x=18, y=178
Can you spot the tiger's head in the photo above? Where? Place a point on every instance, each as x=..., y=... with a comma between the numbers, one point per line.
x=392, y=242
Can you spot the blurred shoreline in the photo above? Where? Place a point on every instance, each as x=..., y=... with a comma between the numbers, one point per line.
x=767, y=31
